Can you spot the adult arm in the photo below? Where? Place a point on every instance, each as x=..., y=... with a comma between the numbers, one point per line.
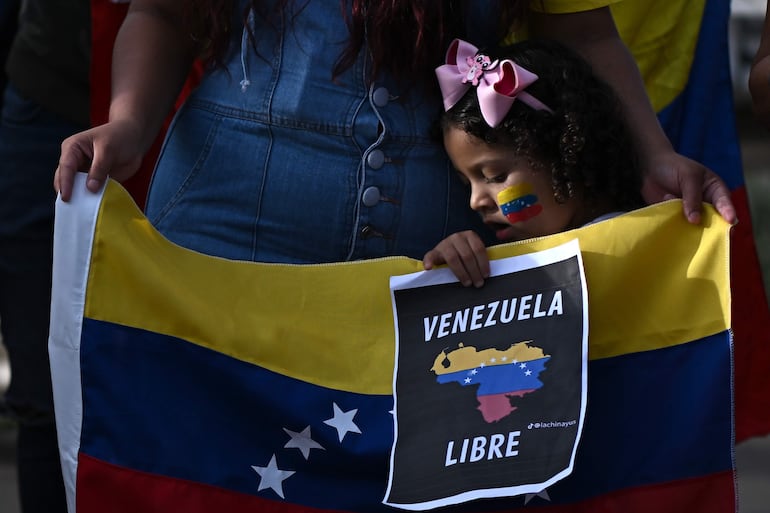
x=151, y=60
x=759, y=76
x=667, y=173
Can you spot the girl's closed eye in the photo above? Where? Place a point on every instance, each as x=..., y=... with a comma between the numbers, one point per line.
x=501, y=178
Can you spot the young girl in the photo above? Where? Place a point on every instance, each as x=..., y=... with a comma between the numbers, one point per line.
x=540, y=140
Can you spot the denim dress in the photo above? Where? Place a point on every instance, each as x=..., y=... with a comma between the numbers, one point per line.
x=275, y=160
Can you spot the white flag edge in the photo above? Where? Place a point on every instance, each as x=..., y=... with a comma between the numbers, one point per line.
x=74, y=226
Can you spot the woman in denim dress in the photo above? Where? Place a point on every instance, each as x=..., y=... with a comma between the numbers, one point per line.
x=275, y=158
x=311, y=139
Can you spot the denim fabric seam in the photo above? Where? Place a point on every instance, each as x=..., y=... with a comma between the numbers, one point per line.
x=271, y=141
x=202, y=156
x=269, y=118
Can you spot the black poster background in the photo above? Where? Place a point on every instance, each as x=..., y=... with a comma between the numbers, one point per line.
x=430, y=414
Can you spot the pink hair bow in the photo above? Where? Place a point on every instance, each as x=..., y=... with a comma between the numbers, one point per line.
x=498, y=84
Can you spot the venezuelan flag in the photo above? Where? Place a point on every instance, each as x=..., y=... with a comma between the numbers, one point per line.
x=519, y=203
x=184, y=382
x=681, y=48
x=498, y=379
x=682, y=51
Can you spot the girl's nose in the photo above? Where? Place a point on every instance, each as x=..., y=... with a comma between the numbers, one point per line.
x=481, y=200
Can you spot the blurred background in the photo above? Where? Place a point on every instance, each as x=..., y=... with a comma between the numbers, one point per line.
x=753, y=456
x=745, y=28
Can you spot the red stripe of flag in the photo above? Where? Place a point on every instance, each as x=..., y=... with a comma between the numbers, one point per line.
x=113, y=489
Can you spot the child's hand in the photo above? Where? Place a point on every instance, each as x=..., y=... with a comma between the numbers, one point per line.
x=466, y=256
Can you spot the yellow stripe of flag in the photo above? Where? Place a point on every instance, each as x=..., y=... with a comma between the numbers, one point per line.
x=653, y=280
x=514, y=192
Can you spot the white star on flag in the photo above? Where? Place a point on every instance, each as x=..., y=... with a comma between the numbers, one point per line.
x=272, y=477
x=302, y=441
x=543, y=495
x=343, y=422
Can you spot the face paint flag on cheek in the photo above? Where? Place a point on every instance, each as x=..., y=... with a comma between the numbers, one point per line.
x=518, y=203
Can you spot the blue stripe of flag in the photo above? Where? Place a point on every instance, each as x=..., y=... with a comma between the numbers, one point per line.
x=161, y=405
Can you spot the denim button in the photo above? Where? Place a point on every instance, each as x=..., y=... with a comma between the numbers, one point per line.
x=371, y=196
x=381, y=97
x=376, y=159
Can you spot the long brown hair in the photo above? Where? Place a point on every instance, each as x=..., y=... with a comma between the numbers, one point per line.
x=424, y=28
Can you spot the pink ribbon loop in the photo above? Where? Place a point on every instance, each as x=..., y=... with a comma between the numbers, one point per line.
x=498, y=84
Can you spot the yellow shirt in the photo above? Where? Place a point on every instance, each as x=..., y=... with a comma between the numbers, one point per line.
x=661, y=35
x=568, y=6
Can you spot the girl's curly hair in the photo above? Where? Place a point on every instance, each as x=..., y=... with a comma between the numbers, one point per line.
x=393, y=29
x=584, y=143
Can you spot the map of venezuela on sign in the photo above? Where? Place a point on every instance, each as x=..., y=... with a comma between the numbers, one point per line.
x=499, y=375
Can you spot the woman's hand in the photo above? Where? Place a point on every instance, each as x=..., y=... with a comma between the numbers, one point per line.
x=114, y=149
x=669, y=175
x=151, y=60
x=465, y=254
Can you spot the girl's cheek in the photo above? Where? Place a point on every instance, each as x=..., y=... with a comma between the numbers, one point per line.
x=519, y=203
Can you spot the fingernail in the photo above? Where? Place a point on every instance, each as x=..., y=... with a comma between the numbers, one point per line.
x=93, y=184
